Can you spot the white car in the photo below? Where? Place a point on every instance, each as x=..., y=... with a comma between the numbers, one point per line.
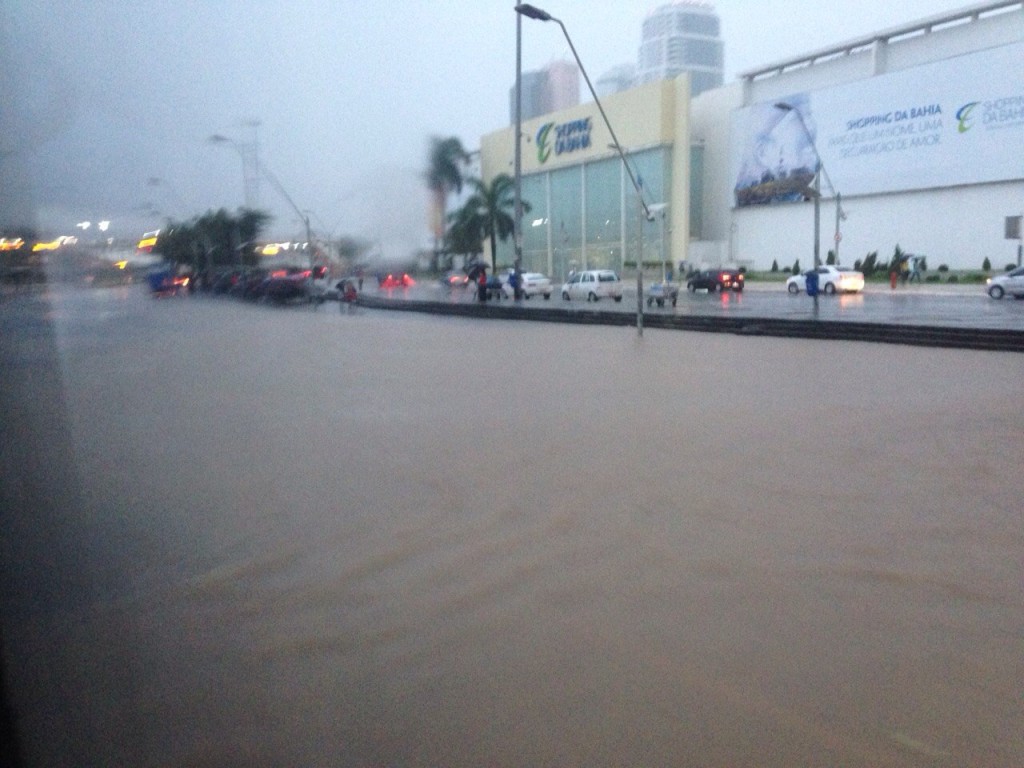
x=533, y=284
x=830, y=280
x=1012, y=283
x=593, y=284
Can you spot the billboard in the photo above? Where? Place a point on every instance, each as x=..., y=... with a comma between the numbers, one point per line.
x=949, y=123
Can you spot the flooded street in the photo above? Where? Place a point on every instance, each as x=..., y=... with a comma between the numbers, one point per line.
x=234, y=535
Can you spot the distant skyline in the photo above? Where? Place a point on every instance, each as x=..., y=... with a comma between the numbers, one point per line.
x=112, y=94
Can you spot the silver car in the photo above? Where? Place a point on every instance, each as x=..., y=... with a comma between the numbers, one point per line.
x=1011, y=283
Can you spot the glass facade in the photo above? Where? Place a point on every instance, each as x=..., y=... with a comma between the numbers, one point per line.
x=697, y=192
x=587, y=216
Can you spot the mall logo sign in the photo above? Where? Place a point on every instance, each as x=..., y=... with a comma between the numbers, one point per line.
x=562, y=137
x=996, y=113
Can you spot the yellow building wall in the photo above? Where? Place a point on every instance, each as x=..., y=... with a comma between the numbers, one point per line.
x=651, y=115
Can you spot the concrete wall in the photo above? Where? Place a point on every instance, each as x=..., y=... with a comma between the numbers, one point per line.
x=958, y=227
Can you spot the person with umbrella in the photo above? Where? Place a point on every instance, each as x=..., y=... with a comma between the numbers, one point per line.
x=478, y=274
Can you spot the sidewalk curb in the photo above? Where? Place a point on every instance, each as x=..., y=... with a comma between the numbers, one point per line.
x=989, y=339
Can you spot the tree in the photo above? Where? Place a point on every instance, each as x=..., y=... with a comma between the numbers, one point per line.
x=217, y=238
x=796, y=267
x=488, y=213
x=465, y=232
x=775, y=265
x=445, y=162
x=868, y=265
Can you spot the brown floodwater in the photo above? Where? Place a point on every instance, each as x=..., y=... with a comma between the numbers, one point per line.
x=235, y=535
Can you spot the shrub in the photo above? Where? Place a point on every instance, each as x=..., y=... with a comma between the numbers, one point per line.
x=975, y=277
x=953, y=279
x=1010, y=267
x=933, y=278
x=986, y=265
x=897, y=257
x=943, y=268
x=869, y=264
x=857, y=265
x=831, y=258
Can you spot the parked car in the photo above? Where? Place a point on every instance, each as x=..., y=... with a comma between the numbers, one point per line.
x=395, y=280
x=593, y=284
x=224, y=281
x=532, y=284
x=830, y=280
x=454, y=279
x=1012, y=283
x=716, y=281
x=284, y=285
x=249, y=285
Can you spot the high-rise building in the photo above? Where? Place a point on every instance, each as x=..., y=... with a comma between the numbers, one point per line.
x=562, y=89
x=684, y=36
x=616, y=79
x=555, y=87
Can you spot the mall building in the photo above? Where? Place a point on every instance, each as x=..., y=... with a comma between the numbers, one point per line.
x=919, y=131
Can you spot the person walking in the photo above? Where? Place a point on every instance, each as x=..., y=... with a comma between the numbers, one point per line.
x=482, y=285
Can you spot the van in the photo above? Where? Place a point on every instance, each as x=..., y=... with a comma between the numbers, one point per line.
x=592, y=285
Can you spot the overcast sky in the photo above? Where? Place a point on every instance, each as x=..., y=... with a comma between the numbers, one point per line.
x=110, y=94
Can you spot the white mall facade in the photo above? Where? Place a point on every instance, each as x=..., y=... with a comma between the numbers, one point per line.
x=919, y=131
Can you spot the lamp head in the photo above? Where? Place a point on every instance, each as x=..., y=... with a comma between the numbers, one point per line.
x=532, y=12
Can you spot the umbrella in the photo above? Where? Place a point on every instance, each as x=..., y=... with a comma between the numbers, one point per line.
x=475, y=270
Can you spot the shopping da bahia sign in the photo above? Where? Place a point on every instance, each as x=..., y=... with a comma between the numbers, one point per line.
x=562, y=138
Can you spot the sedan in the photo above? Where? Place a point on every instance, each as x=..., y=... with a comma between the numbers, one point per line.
x=454, y=279
x=830, y=280
x=1012, y=283
x=532, y=284
x=715, y=280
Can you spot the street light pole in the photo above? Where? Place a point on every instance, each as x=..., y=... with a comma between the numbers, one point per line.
x=532, y=12
x=517, y=223
x=247, y=174
x=303, y=216
x=838, y=235
x=816, y=192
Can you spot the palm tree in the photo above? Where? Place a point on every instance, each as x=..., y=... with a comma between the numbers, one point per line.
x=446, y=160
x=488, y=213
x=465, y=232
